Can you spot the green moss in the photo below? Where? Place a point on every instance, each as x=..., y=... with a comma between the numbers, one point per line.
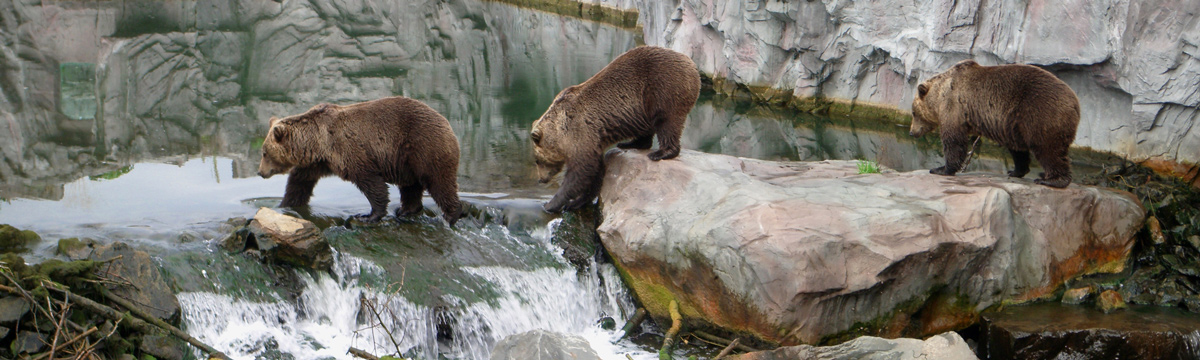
x=16, y=240
x=112, y=174
x=656, y=299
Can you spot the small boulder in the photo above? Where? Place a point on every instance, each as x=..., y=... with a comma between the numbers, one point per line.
x=146, y=288
x=12, y=309
x=15, y=240
x=1079, y=295
x=543, y=345
x=29, y=342
x=290, y=240
x=946, y=346
x=1110, y=300
x=162, y=347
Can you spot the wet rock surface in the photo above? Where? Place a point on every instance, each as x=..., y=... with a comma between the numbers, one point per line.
x=543, y=345
x=137, y=278
x=12, y=308
x=284, y=238
x=946, y=346
x=1053, y=331
x=811, y=252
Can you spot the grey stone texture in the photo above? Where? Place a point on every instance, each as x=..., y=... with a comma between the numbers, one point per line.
x=1134, y=64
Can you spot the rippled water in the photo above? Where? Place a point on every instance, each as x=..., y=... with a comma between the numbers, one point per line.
x=140, y=121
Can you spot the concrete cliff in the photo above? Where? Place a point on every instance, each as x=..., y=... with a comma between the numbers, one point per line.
x=1134, y=65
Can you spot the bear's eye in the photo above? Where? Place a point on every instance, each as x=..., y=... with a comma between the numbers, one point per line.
x=537, y=138
x=922, y=90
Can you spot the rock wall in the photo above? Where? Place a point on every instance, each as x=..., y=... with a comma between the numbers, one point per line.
x=1134, y=64
x=162, y=80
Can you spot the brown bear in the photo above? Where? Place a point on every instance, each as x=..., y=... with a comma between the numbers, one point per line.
x=645, y=92
x=1022, y=107
x=393, y=140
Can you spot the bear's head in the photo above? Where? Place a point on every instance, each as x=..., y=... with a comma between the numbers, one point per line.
x=933, y=99
x=549, y=136
x=286, y=142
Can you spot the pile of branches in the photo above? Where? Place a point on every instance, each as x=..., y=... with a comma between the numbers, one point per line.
x=78, y=317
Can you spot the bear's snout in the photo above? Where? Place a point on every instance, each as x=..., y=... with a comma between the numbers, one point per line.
x=265, y=175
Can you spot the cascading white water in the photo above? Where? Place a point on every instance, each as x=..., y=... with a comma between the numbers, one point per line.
x=330, y=317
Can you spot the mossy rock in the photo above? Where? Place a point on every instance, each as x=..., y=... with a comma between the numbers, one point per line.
x=16, y=240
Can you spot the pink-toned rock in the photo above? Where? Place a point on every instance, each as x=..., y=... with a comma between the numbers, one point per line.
x=808, y=252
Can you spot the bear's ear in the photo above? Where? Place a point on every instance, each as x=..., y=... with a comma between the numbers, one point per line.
x=567, y=94
x=280, y=132
x=272, y=121
x=922, y=90
x=536, y=135
x=965, y=64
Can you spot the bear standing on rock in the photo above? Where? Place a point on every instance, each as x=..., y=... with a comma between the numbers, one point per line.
x=645, y=92
x=1022, y=107
x=393, y=140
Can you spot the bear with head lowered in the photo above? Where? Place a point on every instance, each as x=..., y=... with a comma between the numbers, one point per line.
x=645, y=93
x=395, y=140
x=1022, y=107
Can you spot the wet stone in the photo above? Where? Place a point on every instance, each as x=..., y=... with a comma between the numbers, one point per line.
x=543, y=345
x=1056, y=331
x=12, y=309
x=15, y=240
x=162, y=347
x=1192, y=303
x=289, y=240
x=75, y=248
x=1078, y=296
x=1110, y=301
x=29, y=342
x=4, y=332
x=146, y=286
x=947, y=346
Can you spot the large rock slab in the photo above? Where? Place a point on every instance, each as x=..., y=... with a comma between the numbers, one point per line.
x=947, y=346
x=290, y=240
x=812, y=252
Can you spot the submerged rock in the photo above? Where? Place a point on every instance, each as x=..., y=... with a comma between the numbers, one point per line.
x=543, y=345
x=1055, y=331
x=947, y=346
x=812, y=252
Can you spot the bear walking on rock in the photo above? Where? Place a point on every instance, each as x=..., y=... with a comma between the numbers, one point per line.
x=393, y=140
x=645, y=92
x=1022, y=107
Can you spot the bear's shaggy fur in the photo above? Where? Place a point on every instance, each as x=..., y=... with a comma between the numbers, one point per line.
x=394, y=140
x=1022, y=107
x=645, y=92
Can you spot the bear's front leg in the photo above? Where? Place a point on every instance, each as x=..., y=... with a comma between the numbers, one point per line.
x=579, y=184
x=954, y=144
x=375, y=189
x=300, y=184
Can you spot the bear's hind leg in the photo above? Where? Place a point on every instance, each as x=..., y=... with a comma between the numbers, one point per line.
x=410, y=200
x=641, y=142
x=376, y=191
x=668, y=132
x=1020, y=163
x=1058, y=168
x=445, y=193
